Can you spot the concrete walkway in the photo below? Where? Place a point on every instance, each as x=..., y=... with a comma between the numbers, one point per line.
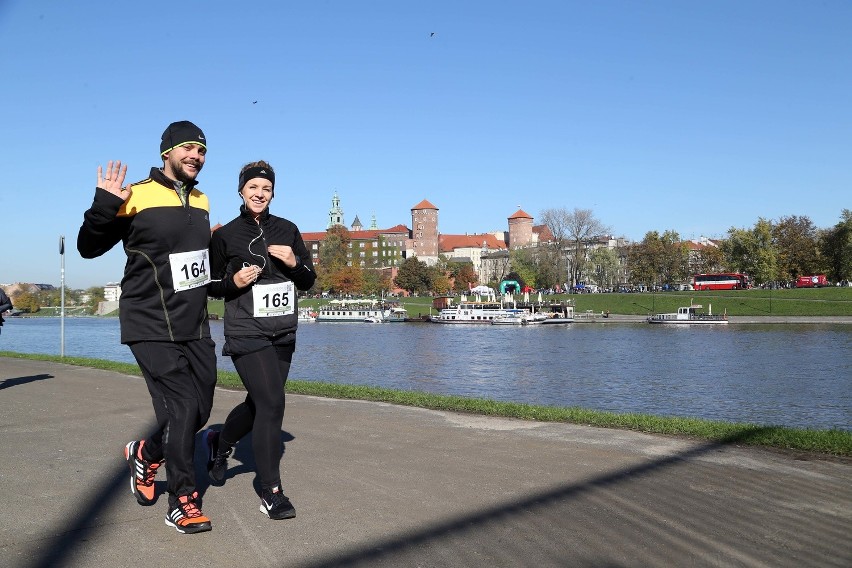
x=382, y=485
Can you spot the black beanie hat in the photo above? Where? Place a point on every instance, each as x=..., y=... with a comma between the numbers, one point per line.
x=178, y=133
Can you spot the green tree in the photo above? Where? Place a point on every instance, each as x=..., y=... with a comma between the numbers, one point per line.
x=797, y=243
x=96, y=296
x=375, y=281
x=604, y=262
x=644, y=259
x=752, y=251
x=525, y=265
x=674, y=264
x=413, y=276
x=836, y=247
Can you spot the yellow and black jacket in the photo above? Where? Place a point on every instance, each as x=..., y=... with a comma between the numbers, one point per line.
x=153, y=224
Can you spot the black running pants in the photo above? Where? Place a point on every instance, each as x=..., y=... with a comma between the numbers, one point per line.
x=264, y=374
x=181, y=378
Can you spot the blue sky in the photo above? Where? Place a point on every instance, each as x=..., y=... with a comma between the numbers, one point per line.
x=690, y=116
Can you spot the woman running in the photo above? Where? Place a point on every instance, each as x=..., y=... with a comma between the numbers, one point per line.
x=257, y=262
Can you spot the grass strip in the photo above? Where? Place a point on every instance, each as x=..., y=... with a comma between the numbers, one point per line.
x=833, y=442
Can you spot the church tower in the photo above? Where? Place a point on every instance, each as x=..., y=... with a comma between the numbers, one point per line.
x=335, y=214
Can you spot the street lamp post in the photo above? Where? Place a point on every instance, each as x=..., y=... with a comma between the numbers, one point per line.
x=62, y=296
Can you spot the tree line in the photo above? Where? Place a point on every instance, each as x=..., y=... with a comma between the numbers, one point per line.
x=770, y=251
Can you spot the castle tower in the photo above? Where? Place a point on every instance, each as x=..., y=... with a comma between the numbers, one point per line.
x=356, y=224
x=335, y=214
x=520, y=230
x=373, y=226
x=424, y=232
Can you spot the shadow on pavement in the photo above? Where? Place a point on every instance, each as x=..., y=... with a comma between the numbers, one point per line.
x=13, y=382
x=637, y=515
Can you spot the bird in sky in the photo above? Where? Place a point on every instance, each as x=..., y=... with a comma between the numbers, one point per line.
x=432, y=34
x=254, y=103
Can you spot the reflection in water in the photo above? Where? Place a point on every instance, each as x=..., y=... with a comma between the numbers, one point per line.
x=792, y=375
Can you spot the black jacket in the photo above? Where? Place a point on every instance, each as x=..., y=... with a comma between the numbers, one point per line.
x=153, y=224
x=229, y=251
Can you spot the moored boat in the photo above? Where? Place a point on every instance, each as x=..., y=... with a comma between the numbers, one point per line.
x=689, y=315
x=350, y=311
x=306, y=315
x=554, y=314
x=471, y=313
x=511, y=317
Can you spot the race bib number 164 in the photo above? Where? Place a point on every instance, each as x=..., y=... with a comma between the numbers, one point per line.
x=189, y=269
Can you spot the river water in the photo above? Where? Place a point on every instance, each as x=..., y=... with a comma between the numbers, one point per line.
x=797, y=375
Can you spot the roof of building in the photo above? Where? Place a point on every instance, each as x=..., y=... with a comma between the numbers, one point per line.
x=543, y=232
x=449, y=243
x=424, y=205
x=521, y=214
x=359, y=235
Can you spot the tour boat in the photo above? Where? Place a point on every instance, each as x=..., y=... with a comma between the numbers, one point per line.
x=350, y=311
x=471, y=312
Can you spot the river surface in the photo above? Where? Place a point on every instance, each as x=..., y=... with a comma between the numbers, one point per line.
x=797, y=375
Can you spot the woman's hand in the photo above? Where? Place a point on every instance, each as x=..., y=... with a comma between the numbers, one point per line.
x=246, y=276
x=114, y=178
x=283, y=253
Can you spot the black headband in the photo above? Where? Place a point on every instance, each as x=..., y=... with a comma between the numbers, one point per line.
x=256, y=172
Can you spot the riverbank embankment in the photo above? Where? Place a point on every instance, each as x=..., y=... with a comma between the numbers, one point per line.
x=383, y=485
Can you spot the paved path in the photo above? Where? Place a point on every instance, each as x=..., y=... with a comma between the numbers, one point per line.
x=382, y=485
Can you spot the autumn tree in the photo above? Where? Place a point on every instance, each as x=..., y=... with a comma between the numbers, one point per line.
x=347, y=280
x=27, y=302
x=462, y=274
x=439, y=281
x=334, y=255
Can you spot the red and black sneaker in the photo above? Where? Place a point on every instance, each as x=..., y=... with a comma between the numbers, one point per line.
x=142, y=473
x=186, y=517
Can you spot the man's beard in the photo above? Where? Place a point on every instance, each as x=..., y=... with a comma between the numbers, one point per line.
x=180, y=175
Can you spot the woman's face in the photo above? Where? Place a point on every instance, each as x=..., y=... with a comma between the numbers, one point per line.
x=257, y=193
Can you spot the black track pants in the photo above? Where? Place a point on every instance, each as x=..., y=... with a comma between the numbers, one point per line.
x=181, y=378
x=264, y=374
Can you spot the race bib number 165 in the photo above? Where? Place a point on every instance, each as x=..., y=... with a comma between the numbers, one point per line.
x=273, y=299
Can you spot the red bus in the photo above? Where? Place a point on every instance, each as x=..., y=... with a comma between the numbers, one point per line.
x=724, y=281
